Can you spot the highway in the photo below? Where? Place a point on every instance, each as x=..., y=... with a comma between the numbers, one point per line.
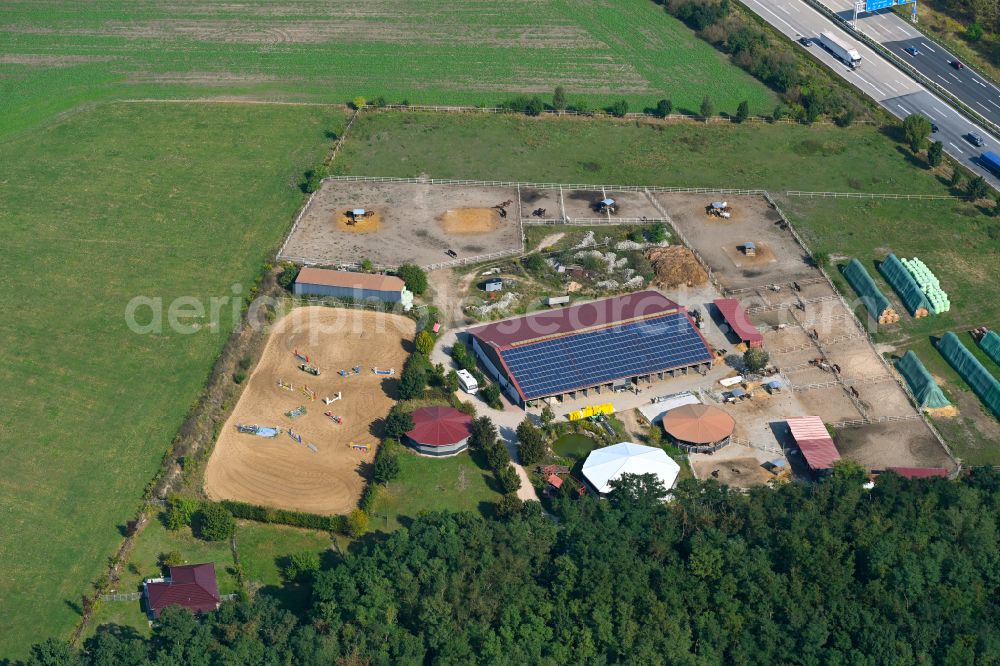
x=899, y=94
x=932, y=60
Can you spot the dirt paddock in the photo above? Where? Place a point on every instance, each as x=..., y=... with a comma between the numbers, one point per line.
x=281, y=472
x=413, y=222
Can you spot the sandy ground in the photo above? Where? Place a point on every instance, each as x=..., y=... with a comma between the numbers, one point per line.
x=753, y=220
x=282, y=473
x=414, y=222
x=736, y=466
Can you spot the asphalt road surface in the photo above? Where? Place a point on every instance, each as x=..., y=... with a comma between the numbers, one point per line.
x=932, y=60
x=880, y=80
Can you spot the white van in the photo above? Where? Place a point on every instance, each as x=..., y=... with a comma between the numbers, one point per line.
x=467, y=381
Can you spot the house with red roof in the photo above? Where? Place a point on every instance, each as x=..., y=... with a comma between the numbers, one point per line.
x=439, y=431
x=191, y=586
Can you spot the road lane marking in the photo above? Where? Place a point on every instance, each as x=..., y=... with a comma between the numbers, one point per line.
x=784, y=9
x=942, y=78
x=993, y=103
x=927, y=47
x=978, y=81
x=901, y=108
x=983, y=105
x=889, y=86
x=929, y=116
x=790, y=26
x=956, y=147
x=938, y=110
x=954, y=77
x=796, y=8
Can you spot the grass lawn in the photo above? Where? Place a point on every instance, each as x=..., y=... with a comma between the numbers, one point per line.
x=457, y=483
x=107, y=204
x=57, y=55
x=578, y=150
x=263, y=548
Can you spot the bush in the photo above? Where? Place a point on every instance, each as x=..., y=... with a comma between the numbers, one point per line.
x=491, y=395
x=398, y=423
x=300, y=566
x=289, y=272
x=214, y=523
x=367, y=266
x=510, y=482
x=707, y=108
x=742, y=112
x=977, y=188
x=358, y=103
x=386, y=464
x=313, y=181
x=424, y=342
x=414, y=277
x=261, y=514
x=534, y=262
x=657, y=233
x=357, y=523
x=483, y=434
x=559, y=99
x=451, y=381
x=414, y=379
x=497, y=455
x=531, y=442
x=619, y=108
x=245, y=363
x=171, y=559
x=180, y=511
x=664, y=108
x=509, y=505
x=916, y=130
x=755, y=360
x=239, y=376
x=935, y=154
x=956, y=177
x=531, y=106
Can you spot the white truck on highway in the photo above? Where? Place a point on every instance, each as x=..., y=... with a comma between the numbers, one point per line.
x=831, y=43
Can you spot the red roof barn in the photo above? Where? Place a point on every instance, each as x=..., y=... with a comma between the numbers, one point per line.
x=439, y=431
x=815, y=442
x=192, y=586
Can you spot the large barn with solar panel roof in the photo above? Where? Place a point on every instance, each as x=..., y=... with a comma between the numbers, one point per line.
x=591, y=348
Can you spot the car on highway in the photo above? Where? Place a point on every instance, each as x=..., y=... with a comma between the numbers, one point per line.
x=975, y=139
x=805, y=41
x=934, y=128
x=912, y=50
x=957, y=64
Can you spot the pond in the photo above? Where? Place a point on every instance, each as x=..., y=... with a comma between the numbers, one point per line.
x=574, y=446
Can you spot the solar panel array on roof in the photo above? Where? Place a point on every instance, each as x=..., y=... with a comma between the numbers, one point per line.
x=588, y=359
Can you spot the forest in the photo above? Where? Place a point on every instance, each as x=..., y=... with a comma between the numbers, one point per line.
x=907, y=572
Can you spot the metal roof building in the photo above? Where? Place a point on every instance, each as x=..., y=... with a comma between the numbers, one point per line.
x=439, y=431
x=590, y=346
x=815, y=442
x=356, y=286
x=738, y=320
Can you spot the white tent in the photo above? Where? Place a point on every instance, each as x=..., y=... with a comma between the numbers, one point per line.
x=605, y=465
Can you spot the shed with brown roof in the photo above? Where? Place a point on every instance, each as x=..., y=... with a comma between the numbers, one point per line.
x=355, y=286
x=192, y=586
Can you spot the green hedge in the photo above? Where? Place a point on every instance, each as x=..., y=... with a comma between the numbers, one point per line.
x=266, y=514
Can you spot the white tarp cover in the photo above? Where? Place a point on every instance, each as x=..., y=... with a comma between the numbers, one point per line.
x=605, y=465
x=654, y=412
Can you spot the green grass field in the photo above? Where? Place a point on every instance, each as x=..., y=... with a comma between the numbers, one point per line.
x=55, y=55
x=457, y=483
x=111, y=203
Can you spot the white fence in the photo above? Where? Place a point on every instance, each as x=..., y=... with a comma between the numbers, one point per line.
x=872, y=195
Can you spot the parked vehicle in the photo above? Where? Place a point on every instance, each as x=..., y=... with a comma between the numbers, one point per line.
x=834, y=45
x=467, y=382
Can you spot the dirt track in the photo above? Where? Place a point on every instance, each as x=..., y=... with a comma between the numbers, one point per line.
x=282, y=473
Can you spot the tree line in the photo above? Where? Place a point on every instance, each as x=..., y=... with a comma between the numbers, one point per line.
x=830, y=573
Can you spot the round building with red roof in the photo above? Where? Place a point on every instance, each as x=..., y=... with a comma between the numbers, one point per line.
x=439, y=431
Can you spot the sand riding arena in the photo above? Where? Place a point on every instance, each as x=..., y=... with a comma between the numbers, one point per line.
x=314, y=463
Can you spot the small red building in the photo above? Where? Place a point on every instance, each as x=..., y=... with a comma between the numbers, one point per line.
x=192, y=586
x=738, y=320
